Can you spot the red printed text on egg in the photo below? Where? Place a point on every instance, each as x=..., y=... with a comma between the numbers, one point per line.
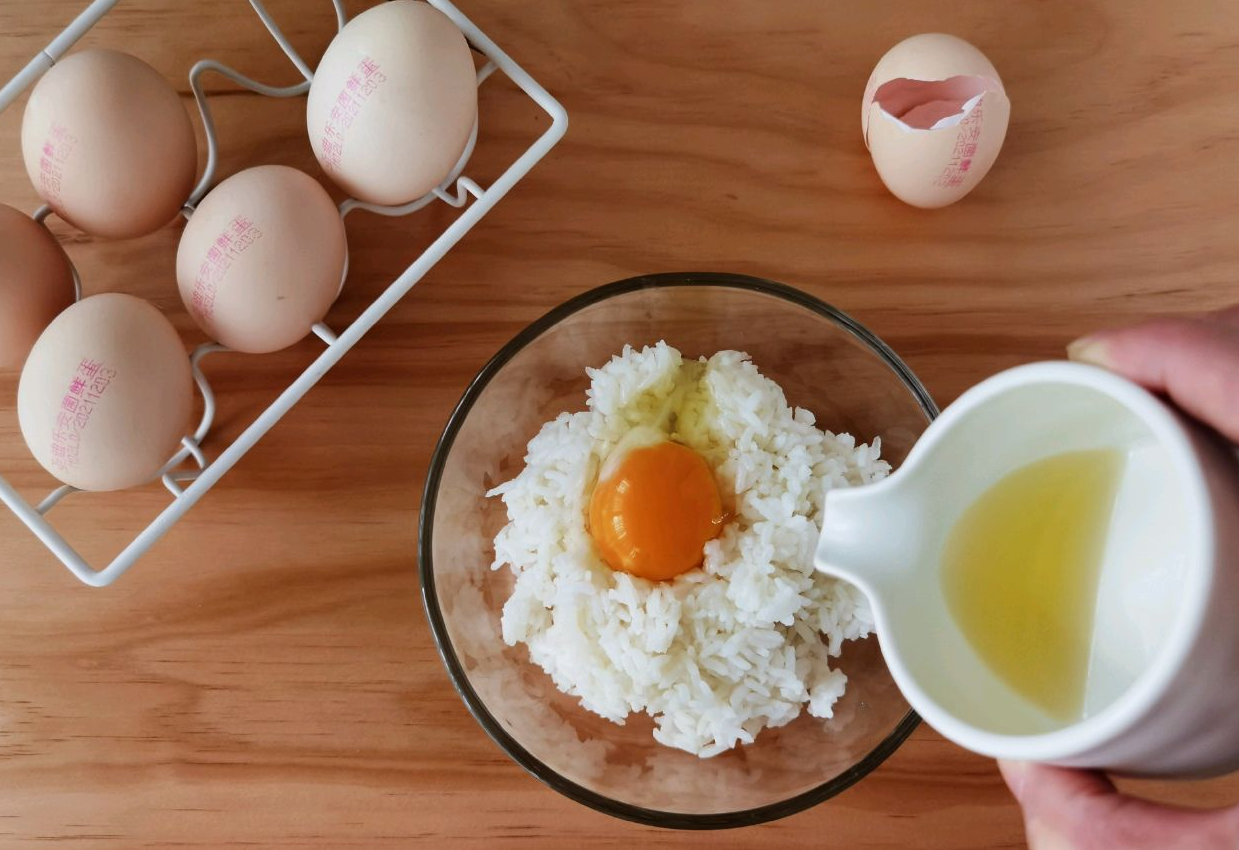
x=239, y=235
x=56, y=149
x=363, y=82
x=85, y=391
x=965, y=149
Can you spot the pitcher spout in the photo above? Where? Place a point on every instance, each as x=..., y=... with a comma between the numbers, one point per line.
x=871, y=535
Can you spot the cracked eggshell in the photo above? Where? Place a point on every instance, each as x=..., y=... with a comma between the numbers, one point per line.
x=934, y=117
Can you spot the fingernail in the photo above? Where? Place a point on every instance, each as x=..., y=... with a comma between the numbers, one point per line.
x=1089, y=349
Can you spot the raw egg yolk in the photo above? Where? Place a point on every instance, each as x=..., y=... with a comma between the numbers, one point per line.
x=652, y=515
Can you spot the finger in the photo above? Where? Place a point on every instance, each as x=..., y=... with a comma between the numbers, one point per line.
x=1194, y=361
x=1082, y=783
x=1227, y=315
x=1081, y=810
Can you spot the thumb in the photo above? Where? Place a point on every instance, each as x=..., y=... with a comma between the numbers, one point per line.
x=1194, y=361
x=1082, y=810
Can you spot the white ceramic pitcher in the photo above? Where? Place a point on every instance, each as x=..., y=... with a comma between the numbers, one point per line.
x=1163, y=689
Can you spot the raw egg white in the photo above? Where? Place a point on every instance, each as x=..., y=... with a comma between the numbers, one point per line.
x=36, y=284
x=261, y=259
x=934, y=117
x=108, y=144
x=106, y=394
x=654, y=507
x=393, y=102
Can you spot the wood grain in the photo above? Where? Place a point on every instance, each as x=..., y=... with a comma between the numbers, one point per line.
x=265, y=676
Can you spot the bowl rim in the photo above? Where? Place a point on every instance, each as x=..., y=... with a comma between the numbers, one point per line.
x=438, y=627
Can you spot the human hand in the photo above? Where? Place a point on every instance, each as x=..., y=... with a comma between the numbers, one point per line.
x=1082, y=810
x=1194, y=362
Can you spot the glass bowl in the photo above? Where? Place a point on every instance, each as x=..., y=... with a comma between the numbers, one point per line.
x=825, y=362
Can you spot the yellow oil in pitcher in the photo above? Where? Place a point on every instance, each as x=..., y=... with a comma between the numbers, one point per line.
x=1020, y=571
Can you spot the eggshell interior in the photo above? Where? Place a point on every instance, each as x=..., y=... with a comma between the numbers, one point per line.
x=924, y=104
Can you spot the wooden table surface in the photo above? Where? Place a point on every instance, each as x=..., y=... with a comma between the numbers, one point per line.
x=265, y=676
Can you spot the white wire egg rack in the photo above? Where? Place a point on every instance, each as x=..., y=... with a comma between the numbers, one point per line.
x=188, y=485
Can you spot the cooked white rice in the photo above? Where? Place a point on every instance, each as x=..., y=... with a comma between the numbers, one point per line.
x=719, y=653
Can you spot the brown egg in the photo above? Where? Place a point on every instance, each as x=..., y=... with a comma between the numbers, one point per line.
x=261, y=259
x=934, y=116
x=36, y=283
x=108, y=144
x=106, y=394
x=393, y=102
